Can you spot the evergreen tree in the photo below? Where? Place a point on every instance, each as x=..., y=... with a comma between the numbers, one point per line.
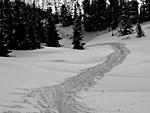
x=5, y=31
x=87, y=23
x=56, y=14
x=3, y=48
x=52, y=38
x=33, y=34
x=16, y=41
x=133, y=7
x=100, y=14
x=96, y=16
x=86, y=7
x=147, y=3
x=56, y=18
x=143, y=15
x=114, y=13
x=139, y=30
x=65, y=16
x=125, y=24
x=77, y=29
x=40, y=28
x=25, y=33
x=75, y=14
x=145, y=11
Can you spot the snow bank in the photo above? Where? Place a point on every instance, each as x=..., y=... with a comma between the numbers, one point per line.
x=46, y=67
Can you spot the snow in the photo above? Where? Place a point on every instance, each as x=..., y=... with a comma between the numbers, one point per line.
x=44, y=67
x=124, y=88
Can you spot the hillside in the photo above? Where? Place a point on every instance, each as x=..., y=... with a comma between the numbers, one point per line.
x=124, y=89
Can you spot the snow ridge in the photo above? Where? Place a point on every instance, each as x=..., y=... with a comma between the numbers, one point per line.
x=61, y=98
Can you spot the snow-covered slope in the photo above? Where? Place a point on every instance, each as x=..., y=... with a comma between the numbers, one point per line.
x=125, y=89
x=66, y=33
x=45, y=67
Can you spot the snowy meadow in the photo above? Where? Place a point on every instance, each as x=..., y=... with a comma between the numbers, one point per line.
x=124, y=89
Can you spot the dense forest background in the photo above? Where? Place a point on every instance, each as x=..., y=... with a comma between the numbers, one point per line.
x=24, y=25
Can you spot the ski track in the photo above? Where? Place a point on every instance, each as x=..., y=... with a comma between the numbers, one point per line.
x=61, y=98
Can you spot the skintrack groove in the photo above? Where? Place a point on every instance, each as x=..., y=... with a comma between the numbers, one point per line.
x=60, y=98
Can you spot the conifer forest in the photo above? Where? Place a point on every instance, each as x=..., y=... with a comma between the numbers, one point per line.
x=25, y=25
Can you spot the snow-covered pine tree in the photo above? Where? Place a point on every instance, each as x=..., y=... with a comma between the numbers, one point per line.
x=40, y=28
x=145, y=11
x=56, y=14
x=33, y=29
x=77, y=29
x=52, y=37
x=125, y=24
x=114, y=13
x=5, y=30
x=86, y=6
x=99, y=14
x=17, y=40
x=75, y=15
x=87, y=20
x=3, y=47
x=143, y=15
x=147, y=3
x=56, y=17
x=65, y=16
x=139, y=31
x=133, y=7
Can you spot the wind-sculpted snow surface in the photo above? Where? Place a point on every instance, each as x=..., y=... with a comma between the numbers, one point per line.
x=61, y=98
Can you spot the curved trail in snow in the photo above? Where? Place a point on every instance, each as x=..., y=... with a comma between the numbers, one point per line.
x=60, y=98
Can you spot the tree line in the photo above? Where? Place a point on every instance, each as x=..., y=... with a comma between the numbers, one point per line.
x=25, y=26
x=99, y=15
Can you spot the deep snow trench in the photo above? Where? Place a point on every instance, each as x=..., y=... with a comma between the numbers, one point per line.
x=61, y=98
